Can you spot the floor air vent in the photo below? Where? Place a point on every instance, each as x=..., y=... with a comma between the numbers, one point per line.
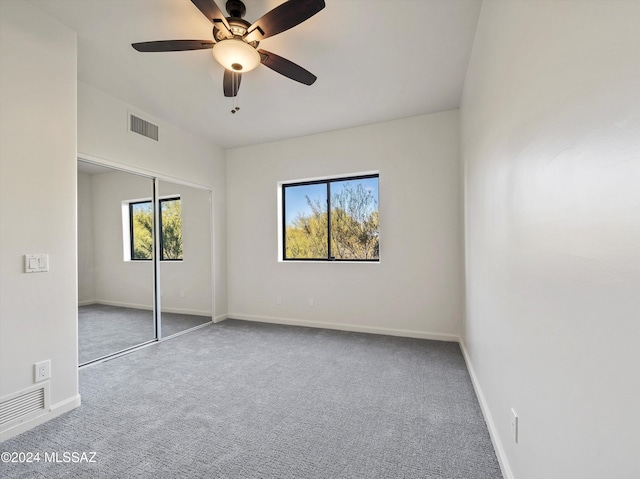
x=143, y=127
x=22, y=405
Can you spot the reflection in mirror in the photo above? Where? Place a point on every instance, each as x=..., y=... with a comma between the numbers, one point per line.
x=115, y=270
x=185, y=257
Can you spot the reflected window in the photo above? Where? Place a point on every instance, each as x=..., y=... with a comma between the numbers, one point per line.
x=171, y=227
x=140, y=219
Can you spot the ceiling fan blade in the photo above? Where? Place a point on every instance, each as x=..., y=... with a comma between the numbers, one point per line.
x=286, y=67
x=210, y=10
x=172, y=45
x=283, y=17
x=231, y=82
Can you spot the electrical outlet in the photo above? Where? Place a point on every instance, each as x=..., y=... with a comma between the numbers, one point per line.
x=278, y=299
x=514, y=425
x=42, y=370
x=310, y=301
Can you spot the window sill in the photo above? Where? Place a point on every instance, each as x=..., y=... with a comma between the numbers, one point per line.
x=288, y=261
x=146, y=261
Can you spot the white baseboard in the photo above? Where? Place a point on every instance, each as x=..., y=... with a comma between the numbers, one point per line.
x=146, y=307
x=192, y=312
x=54, y=411
x=120, y=304
x=406, y=333
x=488, y=418
x=219, y=319
x=87, y=303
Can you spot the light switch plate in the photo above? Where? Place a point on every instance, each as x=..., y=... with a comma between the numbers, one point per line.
x=36, y=263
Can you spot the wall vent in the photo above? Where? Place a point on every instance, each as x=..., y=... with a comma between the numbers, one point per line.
x=23, y=405
x=143, y=127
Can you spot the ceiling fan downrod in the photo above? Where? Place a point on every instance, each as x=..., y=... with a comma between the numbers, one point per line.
x=235, y=8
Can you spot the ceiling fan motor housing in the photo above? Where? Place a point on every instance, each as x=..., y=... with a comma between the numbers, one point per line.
x=236, y=8
x=238, y=28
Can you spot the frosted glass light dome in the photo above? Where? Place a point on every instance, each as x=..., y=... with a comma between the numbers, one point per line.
x=236, y=55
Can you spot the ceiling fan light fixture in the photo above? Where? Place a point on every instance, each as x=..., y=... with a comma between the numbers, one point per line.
x=236, y=55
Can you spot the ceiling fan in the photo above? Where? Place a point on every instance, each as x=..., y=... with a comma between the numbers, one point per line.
x=235, y=41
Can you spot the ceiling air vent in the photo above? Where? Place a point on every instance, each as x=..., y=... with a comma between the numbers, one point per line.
x=143, y=127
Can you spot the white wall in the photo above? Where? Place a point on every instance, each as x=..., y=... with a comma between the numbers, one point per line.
x=118, y=282
x=38, y=318
x=86, y=277
x=551, y=147
x=103, y=134
x=415, y=290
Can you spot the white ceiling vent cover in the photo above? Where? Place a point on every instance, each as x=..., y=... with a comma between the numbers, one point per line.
x=143, y=127
x=23, y=405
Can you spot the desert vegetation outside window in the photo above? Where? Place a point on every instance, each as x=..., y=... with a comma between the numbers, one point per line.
x=141, y=234
x=331, y=220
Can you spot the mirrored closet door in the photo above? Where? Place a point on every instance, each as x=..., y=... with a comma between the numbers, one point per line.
x=185, y=257
x=115, y=267
x=144, y=260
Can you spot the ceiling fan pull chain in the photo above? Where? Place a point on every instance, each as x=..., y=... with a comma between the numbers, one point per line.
x=235, y=87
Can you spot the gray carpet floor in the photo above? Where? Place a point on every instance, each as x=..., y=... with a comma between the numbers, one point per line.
x=104, y=330
x=249, y=400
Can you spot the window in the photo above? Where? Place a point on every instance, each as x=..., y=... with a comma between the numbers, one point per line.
x=171, y=227
x=141, y=225
x=331, y=220
x=141, y=230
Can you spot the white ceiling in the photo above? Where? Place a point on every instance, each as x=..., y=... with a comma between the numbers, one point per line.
x=375, y=60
